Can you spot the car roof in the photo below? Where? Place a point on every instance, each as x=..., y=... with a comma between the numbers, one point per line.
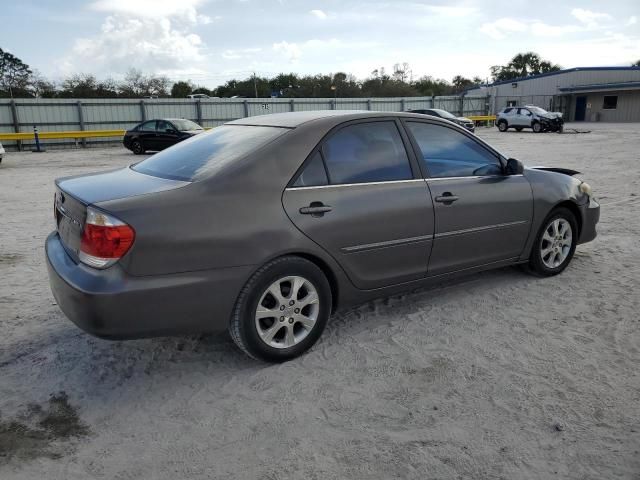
x=295, y=119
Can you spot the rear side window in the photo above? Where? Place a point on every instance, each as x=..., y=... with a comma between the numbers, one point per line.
x=507, y=110
x=148, y=126
x=366, y=152
x=313, y=174
x=204, y=154
x=449, y=153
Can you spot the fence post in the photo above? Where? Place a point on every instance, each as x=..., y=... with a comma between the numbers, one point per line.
x=461, y=108
x=199, y=112
x=402, y=105
x=333, y=104
x=81, y=121
x=246, y=108
x=143, y=111
x=16, y=123
x=368, y=104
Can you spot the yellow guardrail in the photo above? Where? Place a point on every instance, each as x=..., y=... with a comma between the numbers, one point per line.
x=79, y=134
x=57, y=135
x=482, y=118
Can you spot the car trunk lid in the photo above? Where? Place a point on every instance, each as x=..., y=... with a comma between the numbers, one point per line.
x=74, y=194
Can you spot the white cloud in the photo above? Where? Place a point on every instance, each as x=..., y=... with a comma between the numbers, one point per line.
x=632, y=21
x=150, y=8
x=503, y=26
x=154, y=36
x=545, y=30
x=448, y=11
x=589, y=18
x=291, y=51
x=318, y=14
x=235, y=54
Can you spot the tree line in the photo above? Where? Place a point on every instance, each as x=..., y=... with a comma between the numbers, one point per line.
x=18, y=80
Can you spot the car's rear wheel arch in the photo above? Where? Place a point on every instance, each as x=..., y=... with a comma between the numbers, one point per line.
x=328, y=272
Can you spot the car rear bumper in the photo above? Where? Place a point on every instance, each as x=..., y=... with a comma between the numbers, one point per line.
x=590, y=216
x=113, y=304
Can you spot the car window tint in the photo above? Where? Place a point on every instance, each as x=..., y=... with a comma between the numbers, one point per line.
x=366, y=152
x=313, y=174
x=163, y=126
x=507, y=110
x=148, y=126
x=449, y=153
x=203, y=155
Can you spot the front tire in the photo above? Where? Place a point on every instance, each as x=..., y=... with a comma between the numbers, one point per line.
x=502, y=126
x=555, y=243
x=537, y=127
x=282, y=310
x=136, y=147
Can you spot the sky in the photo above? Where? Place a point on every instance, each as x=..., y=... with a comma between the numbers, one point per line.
x=211, y=41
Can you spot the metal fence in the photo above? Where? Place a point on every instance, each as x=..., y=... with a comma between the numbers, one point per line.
x=55, y=115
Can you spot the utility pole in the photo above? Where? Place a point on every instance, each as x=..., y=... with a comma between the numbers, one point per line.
x=255, y=85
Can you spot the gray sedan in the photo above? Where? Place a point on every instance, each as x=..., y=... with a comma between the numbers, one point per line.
x=266, y=225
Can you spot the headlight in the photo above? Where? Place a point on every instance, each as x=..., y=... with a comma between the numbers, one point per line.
x=585, y=188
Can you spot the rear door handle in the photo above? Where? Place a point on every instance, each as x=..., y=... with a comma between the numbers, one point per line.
x=447, y=198
x=315, y=209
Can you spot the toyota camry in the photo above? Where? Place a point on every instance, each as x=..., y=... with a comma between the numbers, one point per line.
x=266, y=225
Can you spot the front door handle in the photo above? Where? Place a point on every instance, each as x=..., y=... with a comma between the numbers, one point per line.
x=447, y=198
x=315, y=209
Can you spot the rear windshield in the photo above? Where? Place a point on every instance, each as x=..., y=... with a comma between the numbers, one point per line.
x=204, y=154
x=185, y=125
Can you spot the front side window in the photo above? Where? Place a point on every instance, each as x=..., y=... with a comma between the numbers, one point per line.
x=366, y=152
x=449, y=153
x=524, y=111
x=203, y=155
x=610, y=102
x=148, y=126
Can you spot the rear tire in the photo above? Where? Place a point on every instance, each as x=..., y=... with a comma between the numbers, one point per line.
x=282, y=310
x=136, y=147
x=555, y=243
x=502, y=126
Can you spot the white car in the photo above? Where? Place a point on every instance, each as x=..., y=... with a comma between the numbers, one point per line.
x=1, y=152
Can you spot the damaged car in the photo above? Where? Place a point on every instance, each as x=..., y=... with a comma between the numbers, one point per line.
x=530, y=116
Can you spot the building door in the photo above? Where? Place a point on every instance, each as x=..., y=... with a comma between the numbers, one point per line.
x=581, y=108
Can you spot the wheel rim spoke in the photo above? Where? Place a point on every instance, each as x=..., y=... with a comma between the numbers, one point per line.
x=306, y=322
x=298, y=282
x=310, y=299
x=268, y=335
x=263, y=312
x=289, y=338
x=276, y=291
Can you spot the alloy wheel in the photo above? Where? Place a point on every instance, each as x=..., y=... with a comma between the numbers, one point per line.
x=287, y=312
x=556, y=243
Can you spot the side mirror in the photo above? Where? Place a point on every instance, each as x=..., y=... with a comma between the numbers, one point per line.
x=514, y=167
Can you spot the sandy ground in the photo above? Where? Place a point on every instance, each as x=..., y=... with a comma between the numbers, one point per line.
x=500, y=375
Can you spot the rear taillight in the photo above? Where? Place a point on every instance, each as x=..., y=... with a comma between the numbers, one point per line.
x=105, y=239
